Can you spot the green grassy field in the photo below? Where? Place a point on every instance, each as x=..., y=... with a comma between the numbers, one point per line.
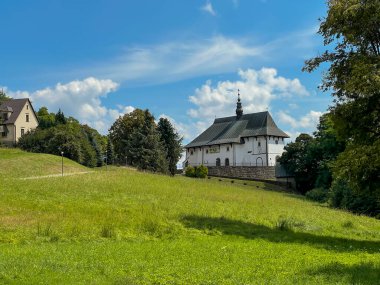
x=126, y=227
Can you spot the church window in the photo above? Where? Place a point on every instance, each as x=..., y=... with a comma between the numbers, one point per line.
x=276, y=141
x=228, y=148
x=191, y=152
x=206, y=150
x=227, y=162
x=259, y=144
x=218, y=161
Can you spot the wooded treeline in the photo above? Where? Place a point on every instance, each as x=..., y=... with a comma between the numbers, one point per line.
x=342, y=161
x=134, y=139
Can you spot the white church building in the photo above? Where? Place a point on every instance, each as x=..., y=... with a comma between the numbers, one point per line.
x=242, y=140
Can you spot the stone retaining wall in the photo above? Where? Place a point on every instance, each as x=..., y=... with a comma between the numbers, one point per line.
x=247, y=172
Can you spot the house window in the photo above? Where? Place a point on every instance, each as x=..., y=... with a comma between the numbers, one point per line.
x=27, y=107
x=218, y=161
x=276, y=141
x=4, y=134
x=27, y=117
x=259, y=144
x=191, y=152
x=206, y=150
x=22, y=132
x=227, y=162
x=228, y=148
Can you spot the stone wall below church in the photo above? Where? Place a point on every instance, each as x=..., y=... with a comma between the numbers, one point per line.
x=246, y=172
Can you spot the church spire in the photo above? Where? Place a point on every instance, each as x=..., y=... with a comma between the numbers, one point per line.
x=239, y=109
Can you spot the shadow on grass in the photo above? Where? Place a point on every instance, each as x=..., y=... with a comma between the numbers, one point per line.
x=280, y=235
x=365, y=274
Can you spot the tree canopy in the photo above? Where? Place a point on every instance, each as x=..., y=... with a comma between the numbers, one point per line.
x=351, y=31
x=172, y=143
x=78, y=142
x=137, y=141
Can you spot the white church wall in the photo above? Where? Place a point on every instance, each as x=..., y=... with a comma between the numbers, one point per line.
x=275, y=149
x=252, y=153
x=212, y=153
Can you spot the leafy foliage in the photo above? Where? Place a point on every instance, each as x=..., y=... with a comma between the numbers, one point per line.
x=45, y=119
x=353, y=28
x=3, y=96
x=200, y=171
x=318, y=194
x=135, y=137
x=190, y=171
x=110, y=151
x=172, y=143
x=309, y=158
x=77, y=142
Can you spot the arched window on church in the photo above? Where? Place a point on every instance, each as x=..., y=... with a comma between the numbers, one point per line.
x=227, y=162
x=218, y=161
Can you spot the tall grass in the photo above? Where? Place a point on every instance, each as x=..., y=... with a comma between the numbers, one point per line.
x=126, y=227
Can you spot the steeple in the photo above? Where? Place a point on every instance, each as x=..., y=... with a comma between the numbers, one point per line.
x=239, y=109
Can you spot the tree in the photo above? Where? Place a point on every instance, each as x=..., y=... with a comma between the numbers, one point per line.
x=60, y=118
x=45, y=119
x=172, y=143
x=78, y=142
x=3, y=96
x=352, y=30
x=110, y=151
x=299, y=160
x=327, y=148
x=135, y=137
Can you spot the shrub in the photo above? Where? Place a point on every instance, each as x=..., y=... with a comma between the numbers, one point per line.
x=363, y=202
x=190, y=171
x=197, y=171
x=318, y=195
x=201, y=171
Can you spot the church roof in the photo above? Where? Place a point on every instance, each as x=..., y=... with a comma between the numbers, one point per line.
x=232, y=129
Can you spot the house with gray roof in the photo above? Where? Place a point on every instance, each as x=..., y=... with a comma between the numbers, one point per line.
x=17, y=117
x=242, y=140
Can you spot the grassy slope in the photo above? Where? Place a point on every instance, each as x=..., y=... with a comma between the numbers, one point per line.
x=17, y=163
x=125, y=227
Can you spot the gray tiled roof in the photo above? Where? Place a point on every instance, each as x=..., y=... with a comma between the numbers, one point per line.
x=16, y=106
x=231, y=129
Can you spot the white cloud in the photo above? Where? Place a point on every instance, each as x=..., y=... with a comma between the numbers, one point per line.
x=207, y=7
x=258, y=88
x=177, y=60
x=308, y=121
x=80, y=99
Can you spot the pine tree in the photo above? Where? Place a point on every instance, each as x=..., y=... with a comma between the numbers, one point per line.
x=110, y=151
x=172, y=143
x=60, y=118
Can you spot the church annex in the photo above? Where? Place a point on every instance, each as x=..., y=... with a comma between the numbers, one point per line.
x=241, y=140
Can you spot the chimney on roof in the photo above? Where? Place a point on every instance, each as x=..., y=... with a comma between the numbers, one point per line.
x=239, y=109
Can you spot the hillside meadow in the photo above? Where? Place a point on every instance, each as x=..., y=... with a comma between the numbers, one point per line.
x=122, y=226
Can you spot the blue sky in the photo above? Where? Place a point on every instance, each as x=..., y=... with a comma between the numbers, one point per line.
x=181, y=59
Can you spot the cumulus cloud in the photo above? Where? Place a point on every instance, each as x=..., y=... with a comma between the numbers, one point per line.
x=258, y=88
x=207, y=7
x=80, y=99
x=308, y=121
